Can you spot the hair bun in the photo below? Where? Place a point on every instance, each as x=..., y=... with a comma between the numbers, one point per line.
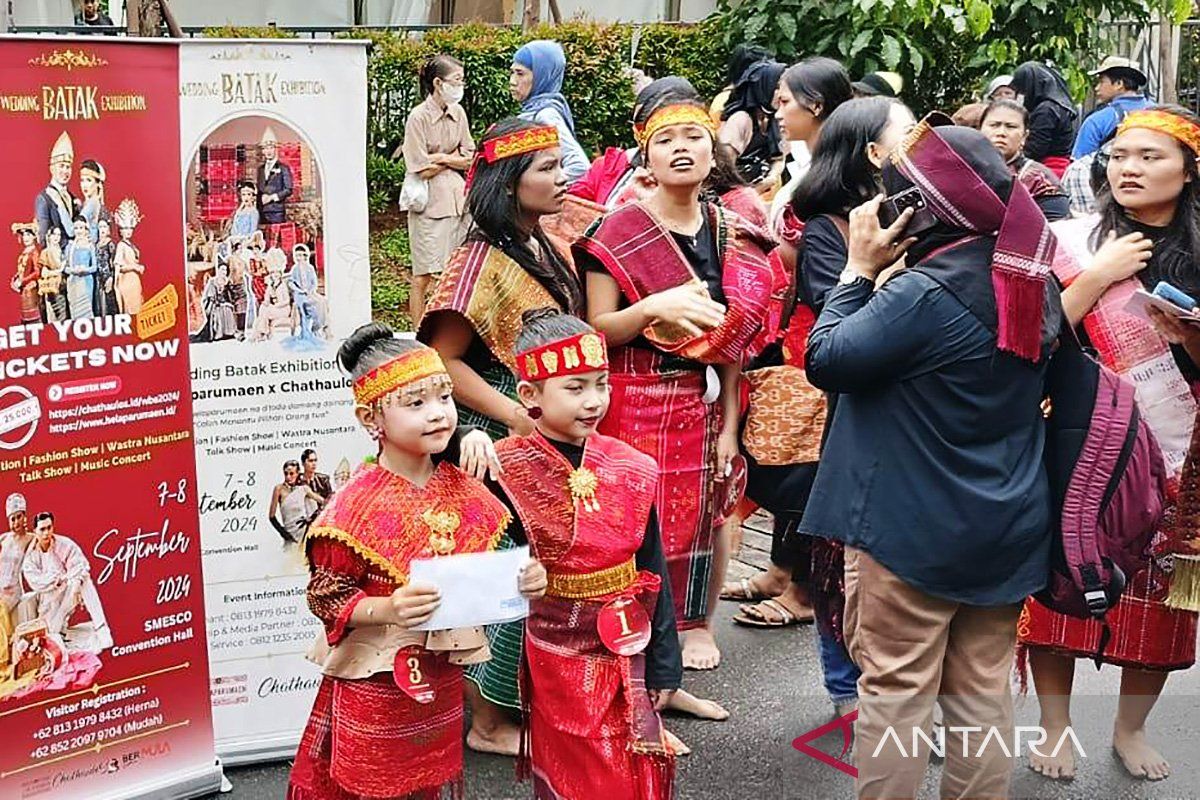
x=360, y=341
x=533, y=316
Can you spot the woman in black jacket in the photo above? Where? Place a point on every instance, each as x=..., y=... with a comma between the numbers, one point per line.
x=1051, y=115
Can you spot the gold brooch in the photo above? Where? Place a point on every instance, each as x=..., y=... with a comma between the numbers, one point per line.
x=583, y=484
x=443, y=525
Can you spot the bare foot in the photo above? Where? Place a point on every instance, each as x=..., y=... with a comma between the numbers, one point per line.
x=700, y=650
x=503, y=740
x=1057, y=766
x=676, y=744
x=1138, y=757
x=687, y=703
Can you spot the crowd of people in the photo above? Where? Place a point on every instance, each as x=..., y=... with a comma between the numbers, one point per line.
x=798, y=297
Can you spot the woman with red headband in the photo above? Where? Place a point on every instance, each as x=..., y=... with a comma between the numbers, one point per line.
x=506, y=267
x=1147, y=230
x=682, y=290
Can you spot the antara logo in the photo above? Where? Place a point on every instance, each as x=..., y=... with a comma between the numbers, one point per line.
x=846, y=726
x=1025, y=738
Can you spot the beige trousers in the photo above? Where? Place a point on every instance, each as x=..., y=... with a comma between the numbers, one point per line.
x=916, y=650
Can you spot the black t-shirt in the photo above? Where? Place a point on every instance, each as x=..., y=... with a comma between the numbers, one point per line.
x=701, y=252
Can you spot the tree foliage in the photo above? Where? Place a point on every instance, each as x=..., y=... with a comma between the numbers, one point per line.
x=946, y=51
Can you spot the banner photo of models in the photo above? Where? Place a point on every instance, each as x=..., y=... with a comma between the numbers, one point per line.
x=103, y=669
x=277, y=273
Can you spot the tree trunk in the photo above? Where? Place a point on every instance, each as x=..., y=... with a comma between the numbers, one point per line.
x=146, y=18
x=533, y=14
x=555, y=12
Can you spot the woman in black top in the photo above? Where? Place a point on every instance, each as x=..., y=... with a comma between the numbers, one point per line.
x=1051, y=115
x=845, y=173
x=748, y=120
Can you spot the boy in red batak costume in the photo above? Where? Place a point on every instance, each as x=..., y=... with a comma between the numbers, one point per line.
x=387, y=723
x=602, y=654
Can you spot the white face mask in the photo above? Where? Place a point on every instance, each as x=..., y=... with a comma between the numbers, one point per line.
x=453, y=95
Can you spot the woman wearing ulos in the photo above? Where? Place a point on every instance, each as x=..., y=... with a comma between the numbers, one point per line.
x=506, y=267
x=376, y=731
x=682, y=290
x=846, y=168
x=601, y=651
x=1144, y=231
x=1006, y=124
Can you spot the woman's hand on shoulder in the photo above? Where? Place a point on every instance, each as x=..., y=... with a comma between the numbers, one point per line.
x=531, y=581
x=413, y=604
x=477, y=456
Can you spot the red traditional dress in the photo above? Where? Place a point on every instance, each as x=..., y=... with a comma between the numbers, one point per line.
x=662, y=402
x=1146, y=632
x=587, y=514
x=26, y=284
x=366, y=737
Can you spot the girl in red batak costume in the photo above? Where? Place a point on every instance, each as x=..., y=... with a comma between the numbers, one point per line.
x=387, y=723
x=602, y=655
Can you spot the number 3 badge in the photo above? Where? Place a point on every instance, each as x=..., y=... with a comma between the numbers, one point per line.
x=623, y=626
x=412, y=676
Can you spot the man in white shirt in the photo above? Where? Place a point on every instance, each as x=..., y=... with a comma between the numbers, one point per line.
x=59, y=575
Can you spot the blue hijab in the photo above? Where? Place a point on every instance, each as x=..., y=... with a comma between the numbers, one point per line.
x=545, y=59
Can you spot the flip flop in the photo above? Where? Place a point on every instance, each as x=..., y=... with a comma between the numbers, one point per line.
x=752, y=617
x=746, y=593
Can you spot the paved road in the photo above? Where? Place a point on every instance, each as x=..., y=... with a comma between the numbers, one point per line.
x=770, y=681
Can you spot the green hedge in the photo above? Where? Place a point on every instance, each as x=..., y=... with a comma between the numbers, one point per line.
x=600, y=96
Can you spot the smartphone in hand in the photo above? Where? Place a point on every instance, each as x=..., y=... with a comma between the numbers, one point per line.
x=893, y=206
x=1174, y=296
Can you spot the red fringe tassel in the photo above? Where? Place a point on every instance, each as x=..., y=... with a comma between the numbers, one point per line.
x=1019, y=300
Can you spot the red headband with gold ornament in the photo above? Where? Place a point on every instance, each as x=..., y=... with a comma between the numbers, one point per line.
x=1182, y=130
x=406, y=368
x=586, y=352
x=517, y=143
x=678, y=114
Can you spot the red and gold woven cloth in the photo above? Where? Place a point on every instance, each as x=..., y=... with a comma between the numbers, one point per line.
x=410, y=367
x=675, y=114
x=517, y=143
x=592, y=730
x=389, y=521
x=644, y=258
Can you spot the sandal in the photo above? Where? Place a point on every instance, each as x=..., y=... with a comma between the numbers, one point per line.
x=753, y=616
x=744, y=591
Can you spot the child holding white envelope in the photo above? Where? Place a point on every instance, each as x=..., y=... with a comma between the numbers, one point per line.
x=387, y=721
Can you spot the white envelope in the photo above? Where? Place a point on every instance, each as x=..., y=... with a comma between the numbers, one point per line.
x=477, y=588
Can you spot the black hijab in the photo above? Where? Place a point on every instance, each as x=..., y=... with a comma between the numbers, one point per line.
x=754, y=92
x=742, y=57
x=1037, y=83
